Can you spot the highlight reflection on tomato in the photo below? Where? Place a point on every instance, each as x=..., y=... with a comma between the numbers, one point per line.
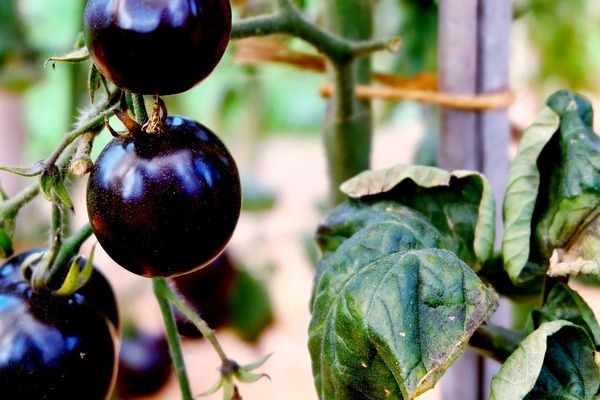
x=56, y=347
x=156, y=47
x=167, y=203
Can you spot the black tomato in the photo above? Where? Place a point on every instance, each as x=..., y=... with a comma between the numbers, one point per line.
x=56, y=347
x=207, y=292
x=144, y=365
x=164, y=204
x=156, y=47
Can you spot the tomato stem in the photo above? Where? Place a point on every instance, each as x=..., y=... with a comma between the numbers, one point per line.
x=84, y=127
x=68, y=249
x=163, y=295
x=289, y=20
x=139, y=108
x=202, y=326
x=11, y=206
x=347, y=133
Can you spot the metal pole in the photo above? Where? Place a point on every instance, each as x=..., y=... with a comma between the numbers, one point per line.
x=473, y=59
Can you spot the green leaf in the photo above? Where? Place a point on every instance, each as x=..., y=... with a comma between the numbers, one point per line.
x=459, y=204
x=53, y=187
x=390, y=316
x=564, y=303
x=36, y=169
x=555, y=361
x=251, y=311
x=520, y=196
x=94, y=81
x=354, y=215
x=78, y=55
x=494, y=273
x=551, y=205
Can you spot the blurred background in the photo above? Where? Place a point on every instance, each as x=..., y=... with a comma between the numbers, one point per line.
x=270, y=115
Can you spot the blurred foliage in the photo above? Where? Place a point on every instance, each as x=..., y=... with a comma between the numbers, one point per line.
x=17, y=67
x=565, y=34
x=415, y=21
x=249, y=102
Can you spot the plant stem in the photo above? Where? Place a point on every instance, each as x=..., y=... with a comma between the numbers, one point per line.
x=495, y=341
x=162, y=293
x=347, y=134
x=139, y=108
x=202, y=326
x=89, y=125
x=56, y=222
x=288, y=20
x=11, y=206
x=68, y=249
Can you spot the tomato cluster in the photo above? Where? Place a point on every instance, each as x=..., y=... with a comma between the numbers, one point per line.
x=162, y=202
x=56, y=347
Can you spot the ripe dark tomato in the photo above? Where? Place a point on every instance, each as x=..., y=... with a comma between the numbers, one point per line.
x=144, y=365
x=207, y=292
x=56, y=347
x=164, y=204
x=156, y=47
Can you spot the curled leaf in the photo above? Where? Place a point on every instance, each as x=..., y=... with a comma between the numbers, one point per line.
x=554, y=361
x=459, y=204
x=53, y=187
x=564, y=303
x=552, y=203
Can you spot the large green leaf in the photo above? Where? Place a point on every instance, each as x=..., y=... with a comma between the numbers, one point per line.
x=390, y=315
x=353, y=215
x=459, y=204
x=556, y=361
x=551, y=205
x=564, y=303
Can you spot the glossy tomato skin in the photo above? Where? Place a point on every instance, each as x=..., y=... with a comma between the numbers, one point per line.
x=156, y=47
x=55, y=347
x=164, y=204
x=144, y=365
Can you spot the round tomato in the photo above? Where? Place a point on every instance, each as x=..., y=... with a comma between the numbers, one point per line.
x=164, y=204
x=156, y=47
x=144, y=365
x=56, y=347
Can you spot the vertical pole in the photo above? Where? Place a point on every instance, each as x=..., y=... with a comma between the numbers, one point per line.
x=474, y=54
x=459, y=141
x=495, y=18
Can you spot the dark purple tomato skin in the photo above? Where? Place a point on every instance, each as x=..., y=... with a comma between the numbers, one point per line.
x=156, y=46
x=207, y=292
x=164, y=204
x=55, y=347
x=144, y=365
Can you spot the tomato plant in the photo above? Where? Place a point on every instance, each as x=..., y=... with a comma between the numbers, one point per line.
x=408, y=276
x=56, y=347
